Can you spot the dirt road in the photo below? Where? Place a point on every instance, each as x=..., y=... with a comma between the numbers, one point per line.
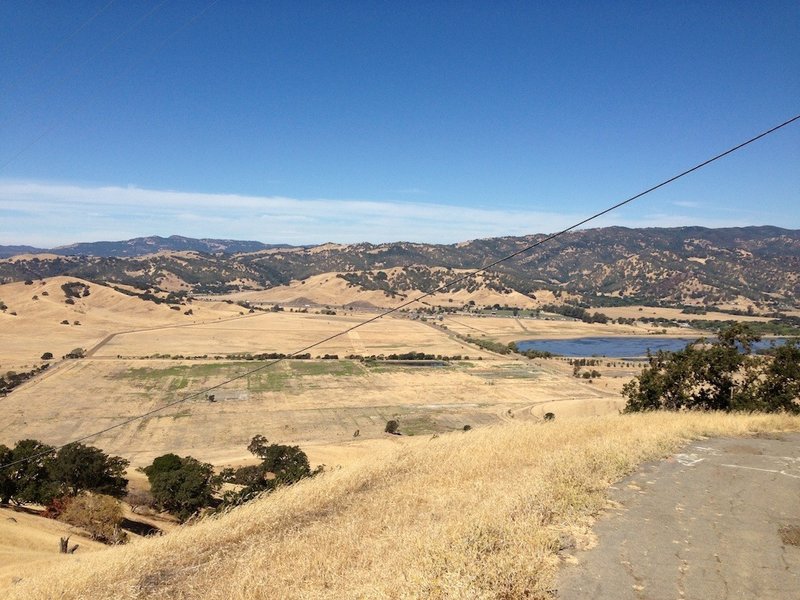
x=715, y=521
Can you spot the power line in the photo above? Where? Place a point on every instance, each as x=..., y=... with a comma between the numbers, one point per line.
x=414, y=300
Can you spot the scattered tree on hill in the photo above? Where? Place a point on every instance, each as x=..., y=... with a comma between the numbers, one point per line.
x=75, y=289
x=722, y=375
x=47, y=356
x=7, y=484
x=13, y=379
x=549, y=416
x=28, y=481
x=44, y=475
x=76, y=468
x=288, y=464
x=392, y=426
x=280, y=465
x=181, y=486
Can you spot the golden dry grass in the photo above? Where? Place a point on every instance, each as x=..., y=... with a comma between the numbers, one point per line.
x=288, y=332
x=636, y=311
x=28, y=544
x=37, y=325
x=465, y=515
x=290, y=403
x=506, y=329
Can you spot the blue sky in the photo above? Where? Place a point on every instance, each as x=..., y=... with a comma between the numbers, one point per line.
x=307, y=122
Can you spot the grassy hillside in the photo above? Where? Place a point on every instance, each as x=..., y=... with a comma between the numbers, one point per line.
x=480, y=514
x=40, y=317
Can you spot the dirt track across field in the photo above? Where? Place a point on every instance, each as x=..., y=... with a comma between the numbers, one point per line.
x=713, y=522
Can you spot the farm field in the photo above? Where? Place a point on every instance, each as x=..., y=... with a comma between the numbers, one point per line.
x=635, y=312
x=318, y=404
x=287, y=332
x=508, y=329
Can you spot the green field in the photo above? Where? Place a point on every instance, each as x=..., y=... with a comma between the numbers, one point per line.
x=272, y=378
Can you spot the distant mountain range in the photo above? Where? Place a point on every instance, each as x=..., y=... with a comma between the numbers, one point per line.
x=613, y=265
x=143, y=245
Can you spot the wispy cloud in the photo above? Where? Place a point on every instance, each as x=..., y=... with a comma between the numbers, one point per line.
x=687, y=204
x=48, y=214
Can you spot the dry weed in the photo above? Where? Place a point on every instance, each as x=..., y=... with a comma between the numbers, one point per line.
x=482, y=515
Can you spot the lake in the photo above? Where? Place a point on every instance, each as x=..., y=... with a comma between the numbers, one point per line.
x=617, y=347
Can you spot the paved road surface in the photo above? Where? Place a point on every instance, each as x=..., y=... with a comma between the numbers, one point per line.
x=703, y=525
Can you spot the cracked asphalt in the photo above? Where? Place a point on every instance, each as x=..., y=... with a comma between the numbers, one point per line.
x=703, y=525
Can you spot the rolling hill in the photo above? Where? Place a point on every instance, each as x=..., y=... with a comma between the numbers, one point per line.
x=732, y=267
x=143, y=245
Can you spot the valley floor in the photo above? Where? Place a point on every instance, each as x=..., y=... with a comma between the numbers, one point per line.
x=140, y=356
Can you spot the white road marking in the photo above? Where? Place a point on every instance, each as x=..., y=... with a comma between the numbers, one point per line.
x=688, y=460
x=712, y=451
x=764, y=470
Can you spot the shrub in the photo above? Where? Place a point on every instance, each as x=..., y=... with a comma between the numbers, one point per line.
x=99, y=515
x=140, y=500
x=56, y=507
x=392, y=427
